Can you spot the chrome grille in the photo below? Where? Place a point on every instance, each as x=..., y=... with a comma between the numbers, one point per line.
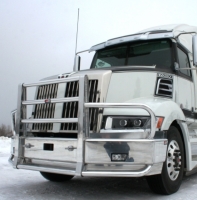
x=70, y=109
x=93, y=97
x=45, y=110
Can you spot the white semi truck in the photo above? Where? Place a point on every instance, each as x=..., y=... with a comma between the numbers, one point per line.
x=133, y=113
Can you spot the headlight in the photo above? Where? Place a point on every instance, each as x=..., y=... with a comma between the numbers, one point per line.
x=116, y=122
x=126, y=122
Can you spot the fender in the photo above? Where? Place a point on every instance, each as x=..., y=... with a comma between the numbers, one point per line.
x=159, y=106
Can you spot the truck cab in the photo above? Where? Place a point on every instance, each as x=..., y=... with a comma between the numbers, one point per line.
x=132, y=113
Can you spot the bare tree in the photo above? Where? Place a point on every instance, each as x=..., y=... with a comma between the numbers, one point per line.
x=5, y=130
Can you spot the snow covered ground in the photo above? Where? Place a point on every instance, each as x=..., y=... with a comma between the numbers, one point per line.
x=5, y=145
x=24, y=184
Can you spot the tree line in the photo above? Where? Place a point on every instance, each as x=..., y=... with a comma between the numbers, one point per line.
x=5, y=130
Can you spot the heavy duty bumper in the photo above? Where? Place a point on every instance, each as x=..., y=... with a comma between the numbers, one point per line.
x=145, y=157
x=83, y=156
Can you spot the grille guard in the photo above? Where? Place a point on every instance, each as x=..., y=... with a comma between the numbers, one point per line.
x=83, y=114
x=84, y=106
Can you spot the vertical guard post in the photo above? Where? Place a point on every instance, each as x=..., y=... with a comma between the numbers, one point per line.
x=83, y=95
x=19, y=113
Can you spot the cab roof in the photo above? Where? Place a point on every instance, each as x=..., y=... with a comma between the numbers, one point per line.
x=176, y=29
x=165, y=31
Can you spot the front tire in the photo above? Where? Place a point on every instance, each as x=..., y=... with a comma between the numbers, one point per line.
x=169, y=181
x=56, y=177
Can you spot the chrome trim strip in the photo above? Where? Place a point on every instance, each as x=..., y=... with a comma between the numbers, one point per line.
x=44, y=169
x=127, y=105
x=125, y=140
x=51, y=163
x=122, y=131
x=52, y=139
x=48, y=120
x=118, y=174
x=42, y=101
x=63, y=80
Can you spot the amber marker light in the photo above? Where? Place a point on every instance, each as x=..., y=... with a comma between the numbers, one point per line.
x=159, y=122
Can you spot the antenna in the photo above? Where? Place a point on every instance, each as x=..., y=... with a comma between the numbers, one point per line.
x=77, y=32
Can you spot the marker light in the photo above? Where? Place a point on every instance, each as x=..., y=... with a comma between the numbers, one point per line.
x=159, y=122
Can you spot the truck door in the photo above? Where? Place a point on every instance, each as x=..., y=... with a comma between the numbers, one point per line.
x=185, y=86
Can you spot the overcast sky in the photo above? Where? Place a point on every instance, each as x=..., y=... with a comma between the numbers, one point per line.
x=37, y=37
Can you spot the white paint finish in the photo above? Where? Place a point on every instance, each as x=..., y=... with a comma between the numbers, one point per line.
x=103, y=76
x=141, y=90
x=194, y=85
x=194, y=92
x=59, y=106
x=130, y=85
x=186, y=40
x=160, y=106
x=184, y=93
x=175, y=28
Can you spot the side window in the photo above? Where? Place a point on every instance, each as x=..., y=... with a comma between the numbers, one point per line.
x=183, y=62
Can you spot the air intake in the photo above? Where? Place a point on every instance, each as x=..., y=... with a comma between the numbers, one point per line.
x=164, y=87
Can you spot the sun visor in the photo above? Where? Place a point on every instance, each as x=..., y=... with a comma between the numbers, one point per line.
x=135, y=37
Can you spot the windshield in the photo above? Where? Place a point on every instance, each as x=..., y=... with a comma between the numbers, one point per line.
x=143, y=53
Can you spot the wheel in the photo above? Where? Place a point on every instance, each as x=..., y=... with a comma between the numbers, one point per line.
x=169, y=181
x=56, y=177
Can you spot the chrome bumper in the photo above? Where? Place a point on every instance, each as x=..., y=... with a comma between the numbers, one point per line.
x=145, y=157
x=138, y=173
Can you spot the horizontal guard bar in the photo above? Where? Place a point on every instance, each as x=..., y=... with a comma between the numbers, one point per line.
x=124, y=140
x=62, y=80
x=42, y=101
x=63, y=120
x=44, y=169
x=118, y=174
x=122, y=131
x=116, y=105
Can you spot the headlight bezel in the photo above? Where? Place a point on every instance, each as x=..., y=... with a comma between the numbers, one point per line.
x=111, y=122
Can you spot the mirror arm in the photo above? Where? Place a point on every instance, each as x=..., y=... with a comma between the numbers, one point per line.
x=177, y=68
x=82, y=51
x=77, y=63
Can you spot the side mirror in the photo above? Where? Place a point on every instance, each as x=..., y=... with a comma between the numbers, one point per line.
x=194, y=48
x=77, y=63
